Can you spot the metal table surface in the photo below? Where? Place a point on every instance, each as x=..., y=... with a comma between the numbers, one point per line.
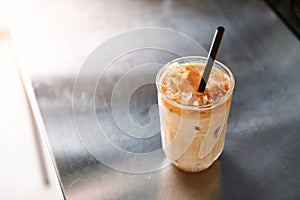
x=261, y=155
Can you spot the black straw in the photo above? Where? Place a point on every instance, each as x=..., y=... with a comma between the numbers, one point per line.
x=211, y=57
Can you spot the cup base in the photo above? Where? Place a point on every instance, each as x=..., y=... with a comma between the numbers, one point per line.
x=192, y=168
x=198, y=167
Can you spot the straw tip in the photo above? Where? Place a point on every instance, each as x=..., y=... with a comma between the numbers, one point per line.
x=221, y=29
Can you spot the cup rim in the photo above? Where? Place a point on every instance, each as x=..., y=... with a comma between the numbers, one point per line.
x=196, y=107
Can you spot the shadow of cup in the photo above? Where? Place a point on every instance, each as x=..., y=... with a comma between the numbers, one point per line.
x=185, y=185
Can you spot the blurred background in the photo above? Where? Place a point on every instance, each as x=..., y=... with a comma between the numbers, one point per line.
x=22, y=176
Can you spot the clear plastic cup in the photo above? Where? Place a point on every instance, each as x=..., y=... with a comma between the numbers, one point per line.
x=193, y=135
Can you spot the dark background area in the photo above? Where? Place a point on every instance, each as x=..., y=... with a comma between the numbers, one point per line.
x=289, y=12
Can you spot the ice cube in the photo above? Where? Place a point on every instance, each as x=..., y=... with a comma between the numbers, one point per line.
x=171, y=83
x=196, y=103
x=178, y=88
x=185, y=97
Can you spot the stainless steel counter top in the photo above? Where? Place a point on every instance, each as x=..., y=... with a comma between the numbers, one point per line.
x=261, y=155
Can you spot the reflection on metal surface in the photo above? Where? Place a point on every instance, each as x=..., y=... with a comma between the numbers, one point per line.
x=260, y=159
x=167, y=183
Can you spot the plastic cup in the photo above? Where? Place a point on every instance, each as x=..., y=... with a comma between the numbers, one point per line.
x=193, y=135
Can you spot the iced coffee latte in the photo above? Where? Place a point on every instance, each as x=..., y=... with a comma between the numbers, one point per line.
x=193, y=124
